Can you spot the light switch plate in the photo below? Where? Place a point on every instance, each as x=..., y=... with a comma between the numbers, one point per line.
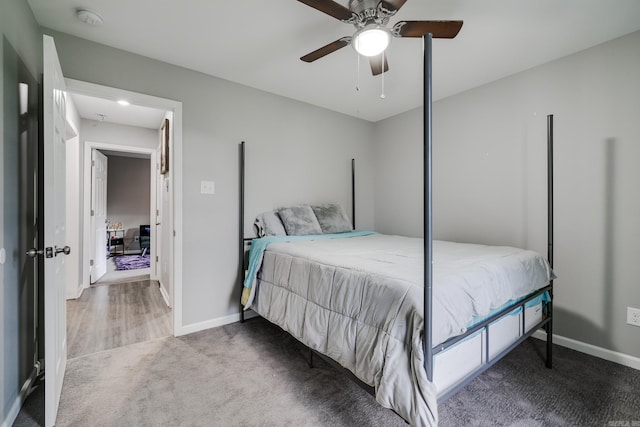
x=207, y=187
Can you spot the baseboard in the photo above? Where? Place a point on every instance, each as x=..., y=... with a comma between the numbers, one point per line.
x=602, y=353
x=20, y=398
x=164, y=293
x=213, y=323
x=13, y=413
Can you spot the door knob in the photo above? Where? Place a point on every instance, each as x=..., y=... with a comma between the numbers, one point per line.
x=47, y=252
x=66, y=250
x=33, y=252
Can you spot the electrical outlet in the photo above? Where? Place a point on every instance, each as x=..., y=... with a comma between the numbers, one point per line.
x=633, y=316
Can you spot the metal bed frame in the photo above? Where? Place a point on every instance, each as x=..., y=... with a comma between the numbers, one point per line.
x=429, y=351
x=546, y=322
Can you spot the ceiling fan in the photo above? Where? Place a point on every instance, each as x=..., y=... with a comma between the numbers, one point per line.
x=370, y=17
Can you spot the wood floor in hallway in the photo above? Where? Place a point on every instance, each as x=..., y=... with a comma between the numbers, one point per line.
x=116, y=315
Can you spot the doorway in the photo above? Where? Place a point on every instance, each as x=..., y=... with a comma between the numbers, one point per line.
x=130, y=135
x=120, y=201
x=119, y=210
x=117, y=180
x=162, y=195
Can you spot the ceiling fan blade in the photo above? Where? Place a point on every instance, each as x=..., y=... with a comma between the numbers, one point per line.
x=393, y=4
x=438, y=29
x=329, y=7
x=325, y=50
x=379, y=64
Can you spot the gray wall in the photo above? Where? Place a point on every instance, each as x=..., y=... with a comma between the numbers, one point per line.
x=116, y=134
x=129, y=195
x=490, y=179
x=295, y=153
x=19, y=29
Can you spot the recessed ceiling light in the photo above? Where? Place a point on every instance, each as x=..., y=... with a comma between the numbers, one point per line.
x=89, y=17
x=123, y=102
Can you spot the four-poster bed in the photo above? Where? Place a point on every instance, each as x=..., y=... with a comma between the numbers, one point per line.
x=427, y=359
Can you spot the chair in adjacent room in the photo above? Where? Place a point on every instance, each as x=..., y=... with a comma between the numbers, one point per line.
x=145, y=239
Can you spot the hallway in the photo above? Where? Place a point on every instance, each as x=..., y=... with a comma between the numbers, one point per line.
x=115, y=315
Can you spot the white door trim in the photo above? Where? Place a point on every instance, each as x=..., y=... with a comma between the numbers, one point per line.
x=87, y=231
x=176, y=172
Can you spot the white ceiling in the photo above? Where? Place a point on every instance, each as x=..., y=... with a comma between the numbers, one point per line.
x=104, y=110
x=258, y=43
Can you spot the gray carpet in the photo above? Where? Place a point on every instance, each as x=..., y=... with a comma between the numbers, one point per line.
x=32, y=412
x=580, y=390
x=253, y=374
x=250, y=374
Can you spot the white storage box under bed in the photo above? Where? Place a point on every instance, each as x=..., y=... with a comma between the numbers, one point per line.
x=458, y=361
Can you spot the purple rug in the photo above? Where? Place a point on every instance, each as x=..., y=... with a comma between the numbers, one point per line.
x=132, y=262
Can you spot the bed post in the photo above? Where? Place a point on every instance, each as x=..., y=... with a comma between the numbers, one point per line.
x=353, y=193
x=549, y=325
x=427, y=212
x=241, y=230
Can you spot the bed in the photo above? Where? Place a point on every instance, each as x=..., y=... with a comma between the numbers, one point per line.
x=357, y=297
x=413, y=320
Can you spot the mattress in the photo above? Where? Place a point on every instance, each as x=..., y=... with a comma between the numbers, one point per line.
x=359, y=300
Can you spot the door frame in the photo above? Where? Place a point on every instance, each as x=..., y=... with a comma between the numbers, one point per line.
x=87, y=231
x=175, y=227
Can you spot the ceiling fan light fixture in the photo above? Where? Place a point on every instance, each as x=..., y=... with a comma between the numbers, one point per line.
x=371, y=40
x=89, y=17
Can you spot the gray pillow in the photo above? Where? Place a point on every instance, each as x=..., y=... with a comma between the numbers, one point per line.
x=269, y=224
x=299, y=220
x=332, y=218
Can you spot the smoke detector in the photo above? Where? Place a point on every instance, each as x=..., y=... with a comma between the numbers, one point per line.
x=89, y=17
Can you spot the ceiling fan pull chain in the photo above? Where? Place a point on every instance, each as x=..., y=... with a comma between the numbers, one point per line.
x=358, y=76
x=382, y=96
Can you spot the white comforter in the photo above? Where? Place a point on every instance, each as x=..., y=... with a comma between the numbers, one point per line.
x=359, y=300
